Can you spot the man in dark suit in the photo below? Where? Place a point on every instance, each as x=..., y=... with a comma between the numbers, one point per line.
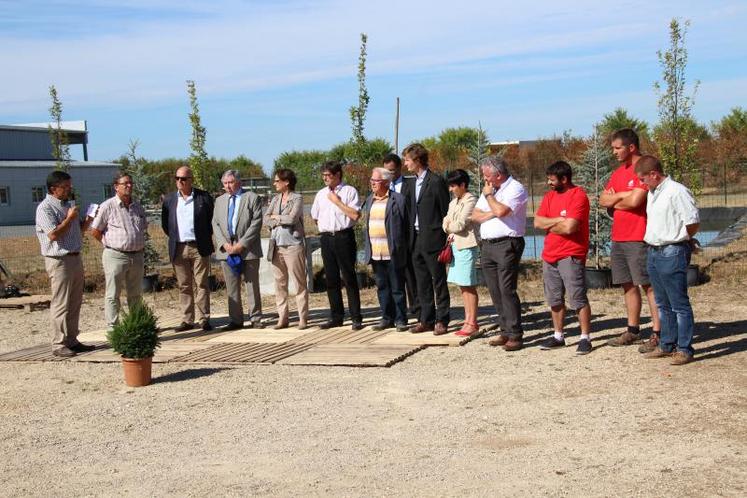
x=386, y=248
x=428, y=202
x=393, y=163
x=186, y=218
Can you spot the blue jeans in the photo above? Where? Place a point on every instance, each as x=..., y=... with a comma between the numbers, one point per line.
x=667, y=268
x=390, y=284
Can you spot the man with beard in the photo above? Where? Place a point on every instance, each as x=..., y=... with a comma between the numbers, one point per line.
x=564, y=215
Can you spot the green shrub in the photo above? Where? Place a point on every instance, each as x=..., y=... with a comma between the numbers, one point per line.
x=136, y=334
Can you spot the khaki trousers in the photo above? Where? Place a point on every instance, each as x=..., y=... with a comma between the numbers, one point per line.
x=250, y=277
x=192, y=272
x=290, y=260
x=66, y=279
x=122, y=271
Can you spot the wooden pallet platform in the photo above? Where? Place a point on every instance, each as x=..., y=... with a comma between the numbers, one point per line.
x=164, y=354
x=352, y=355
x=44, y=353
x=424, y=339
x=29, y=303
x=242, y=353
x=269, y=336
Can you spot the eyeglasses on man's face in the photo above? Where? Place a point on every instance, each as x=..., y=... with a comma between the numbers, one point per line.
x=373, y=180
x=124, y=183
x=183, y=178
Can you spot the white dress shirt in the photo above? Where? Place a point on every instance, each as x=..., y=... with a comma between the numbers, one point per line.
x=670, y=208
x=328, y=216
x=512, y=194
x=185, y=217
x=396, y=185
x=418, y=185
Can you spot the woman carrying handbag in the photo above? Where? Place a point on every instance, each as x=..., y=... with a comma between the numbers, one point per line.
x=461, y=235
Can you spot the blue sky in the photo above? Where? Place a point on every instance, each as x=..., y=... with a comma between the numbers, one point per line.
x=274, y=76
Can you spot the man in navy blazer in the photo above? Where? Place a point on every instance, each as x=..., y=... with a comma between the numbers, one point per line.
x=186, y=218
x=386, y=248
x=428, y=202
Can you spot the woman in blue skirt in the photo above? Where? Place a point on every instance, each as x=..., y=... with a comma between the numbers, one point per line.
x=462, y=270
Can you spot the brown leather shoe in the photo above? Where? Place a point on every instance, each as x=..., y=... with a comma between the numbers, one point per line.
x=625, y=339
x=500, y=340
x=681, y=358
x=440, y=329
x=651, y=344
x=420, y=327
x=657, y=353
x=513, y=345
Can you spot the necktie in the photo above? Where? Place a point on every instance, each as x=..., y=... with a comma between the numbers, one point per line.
x=231, y=209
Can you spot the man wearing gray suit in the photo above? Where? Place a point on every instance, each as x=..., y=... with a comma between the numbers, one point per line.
x=237, y=221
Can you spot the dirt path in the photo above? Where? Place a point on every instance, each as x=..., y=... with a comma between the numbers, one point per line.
x=447, y=421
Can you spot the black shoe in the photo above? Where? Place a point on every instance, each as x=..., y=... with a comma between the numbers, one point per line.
x=584, y=347
x=82, y=348
x=64, y=352
x=357, y=326
x=403, y=327
x=257, y=324
x=184, y=326
x=552, y=343
x=232, y=326
x=205, y=325
x=330, y=324
x=382, y=325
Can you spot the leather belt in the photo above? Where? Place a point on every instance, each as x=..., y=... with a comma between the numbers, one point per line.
x=124, y=252
x=339, y=232
x=499, y=239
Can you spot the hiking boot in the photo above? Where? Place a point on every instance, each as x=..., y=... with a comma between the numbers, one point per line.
x=625, y=339
x=584, y=347
x=681, y=358
x=552, y=343
x=651, y=344
x=657, y=353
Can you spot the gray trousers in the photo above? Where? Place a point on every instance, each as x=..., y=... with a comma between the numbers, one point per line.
x=66, y=279
x=250, y=277
x=123, y=271
x=500, y=266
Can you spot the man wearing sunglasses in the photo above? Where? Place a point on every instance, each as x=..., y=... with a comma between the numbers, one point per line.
x=186, y=218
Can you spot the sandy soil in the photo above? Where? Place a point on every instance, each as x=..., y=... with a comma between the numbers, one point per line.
x=472, y=420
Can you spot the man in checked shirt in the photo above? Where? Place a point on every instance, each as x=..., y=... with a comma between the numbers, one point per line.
x=120, y=225
x=60, y=233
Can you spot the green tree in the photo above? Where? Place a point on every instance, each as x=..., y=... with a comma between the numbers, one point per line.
x=57, y=136
x=198, y=159
x=306, y=164
x=731, y=146
x=477, y=152
x=618, y=119
x=592, y=173
x=369, y=152
x=143, y=181
x=676, y=133
x=358, y=112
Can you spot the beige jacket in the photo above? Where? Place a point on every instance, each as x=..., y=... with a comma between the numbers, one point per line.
x=457, y=221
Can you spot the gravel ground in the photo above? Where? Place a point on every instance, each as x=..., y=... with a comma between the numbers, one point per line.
x=473, y=420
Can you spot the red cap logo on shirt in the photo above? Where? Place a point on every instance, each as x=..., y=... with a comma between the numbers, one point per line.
x=631, y=183
x=562, y=213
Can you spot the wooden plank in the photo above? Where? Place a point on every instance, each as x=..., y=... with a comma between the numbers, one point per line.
x=424, y=339
x=43, y=352
x=354, y=355
x=258, y=336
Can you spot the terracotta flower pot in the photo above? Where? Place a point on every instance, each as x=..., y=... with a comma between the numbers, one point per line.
x=137, y=372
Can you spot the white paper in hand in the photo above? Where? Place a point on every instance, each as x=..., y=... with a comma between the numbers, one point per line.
x=91, y=211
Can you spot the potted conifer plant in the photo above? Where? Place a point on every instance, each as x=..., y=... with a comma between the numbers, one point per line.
x=135, y=338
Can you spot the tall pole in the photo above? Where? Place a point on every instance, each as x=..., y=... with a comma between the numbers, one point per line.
x=396, y=129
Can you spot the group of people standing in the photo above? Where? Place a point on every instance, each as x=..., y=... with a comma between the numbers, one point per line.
x=407, y=222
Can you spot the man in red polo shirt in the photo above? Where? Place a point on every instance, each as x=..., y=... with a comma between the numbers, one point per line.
x=564, y=215
x=625, y=196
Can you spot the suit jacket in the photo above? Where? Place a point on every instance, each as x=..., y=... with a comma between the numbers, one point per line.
x=291, y=215
x=395, y=220
x=248, y=225
x=203, y=218
x=431, y=208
